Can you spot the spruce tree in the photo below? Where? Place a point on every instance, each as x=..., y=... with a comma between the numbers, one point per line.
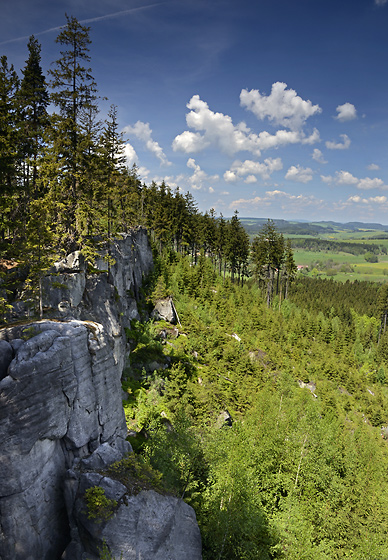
x=33, y=100
x=9, y=157
x=113, y=169
x=221, y=243
x=268, y=256
x=382, y=307
x=74, y=94
x=289, y=267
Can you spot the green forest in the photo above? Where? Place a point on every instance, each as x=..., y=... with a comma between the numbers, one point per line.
x=270, y=421
x=269, y=411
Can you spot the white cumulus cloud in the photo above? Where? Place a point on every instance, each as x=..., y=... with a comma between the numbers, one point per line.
x=299, y=174
x=189, y=142
x=142, y=131
x=339, y=145
x=317, y=155
x=282, y=106
x=346, y=178
x=372, y=199
x=346, y=112
x=250, y=169
x=380, y=2
x=369, y=183
x=285, y=137
x=130, y=154
x=355, y=198
x=373, y=167
x=199, y=178
x=288, y=202
x=218, y=129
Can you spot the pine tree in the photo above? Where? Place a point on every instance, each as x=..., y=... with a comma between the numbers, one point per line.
x=74, y=94
x=268, y=256
x=382, y=305
x=113, y=158
x=33, y=100
x=9, y=157
x=289, y=266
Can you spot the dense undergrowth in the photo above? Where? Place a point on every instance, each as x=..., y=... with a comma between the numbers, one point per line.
x=301, y=471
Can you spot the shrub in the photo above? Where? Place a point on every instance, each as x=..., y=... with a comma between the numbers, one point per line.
x=136, y=474
x=369, y=257
x=99, y=507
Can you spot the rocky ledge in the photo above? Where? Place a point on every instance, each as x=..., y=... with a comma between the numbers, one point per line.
x=62, y=421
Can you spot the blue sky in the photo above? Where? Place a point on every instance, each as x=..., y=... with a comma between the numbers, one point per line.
x=278, y=109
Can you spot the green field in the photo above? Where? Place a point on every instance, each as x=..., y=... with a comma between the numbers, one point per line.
x=338, y=265
x=342, y=266
x=308, y=257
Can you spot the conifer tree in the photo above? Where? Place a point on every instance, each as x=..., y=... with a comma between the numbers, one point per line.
x=210, y=233
x=181, y=217
x=9, y=84
x=91, y=181
x=74, y=94
x=268, y=256
x=237, y=247
x=221, y=243
x=191, y=234
x=112, y=150
x=382, y=305
x=289, y=266
x=33, y=100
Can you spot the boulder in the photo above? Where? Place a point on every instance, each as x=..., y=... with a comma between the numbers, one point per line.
x=164, y=310
x=147, y=525
x=224, y=419
x=71, y=263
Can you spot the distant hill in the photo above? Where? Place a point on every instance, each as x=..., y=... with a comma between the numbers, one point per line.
x=253, y=226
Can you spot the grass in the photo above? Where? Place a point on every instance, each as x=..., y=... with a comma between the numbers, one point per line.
x=302, y=256
x=362, y=270
x=351, y=277
x=364, y=235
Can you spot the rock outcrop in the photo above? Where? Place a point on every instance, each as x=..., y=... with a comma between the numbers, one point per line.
x=109, y=295
x=60, y=400
x=61, y=420
x=147, y=525
x=164, y=310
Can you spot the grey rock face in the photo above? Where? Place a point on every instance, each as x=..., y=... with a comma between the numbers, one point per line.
x=58, y=402
x=147, y=525
x=61, y=414
x=107, y=297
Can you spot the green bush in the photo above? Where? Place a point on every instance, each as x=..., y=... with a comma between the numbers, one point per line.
x=369, y=257
x=99, y=507
x=136, y=474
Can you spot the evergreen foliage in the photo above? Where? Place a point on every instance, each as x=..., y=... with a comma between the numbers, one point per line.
x=300, y=473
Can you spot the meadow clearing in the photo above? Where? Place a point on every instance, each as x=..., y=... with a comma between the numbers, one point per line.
x=343, y=266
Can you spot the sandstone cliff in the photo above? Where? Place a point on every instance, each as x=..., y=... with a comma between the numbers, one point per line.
x=61, y=419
